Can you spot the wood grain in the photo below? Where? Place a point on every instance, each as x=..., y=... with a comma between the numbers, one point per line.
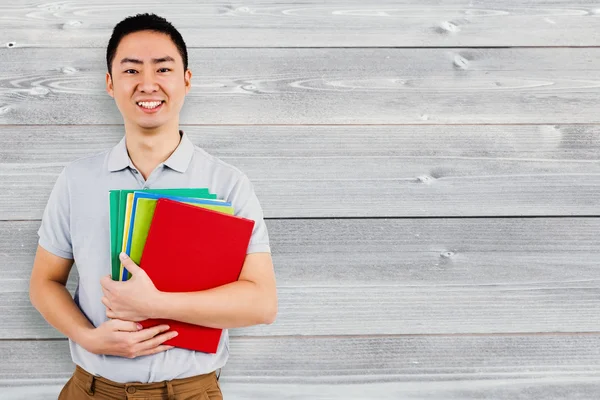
x=354, y=121
x=396, y=310
x=554, y=388
x=578, y=386
x=322, y=86
x=392, y=276
x=343, y=360
x=345, y=23
x=357, y=171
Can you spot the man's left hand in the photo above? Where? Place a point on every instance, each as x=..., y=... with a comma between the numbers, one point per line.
x=130, y=300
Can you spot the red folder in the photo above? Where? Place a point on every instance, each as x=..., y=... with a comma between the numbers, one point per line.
x=189, y=249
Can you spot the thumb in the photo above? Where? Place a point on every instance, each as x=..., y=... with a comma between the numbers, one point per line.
x=129, y=264
x=127, y=326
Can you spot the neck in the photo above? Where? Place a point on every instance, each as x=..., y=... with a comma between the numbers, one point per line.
x=148, y=148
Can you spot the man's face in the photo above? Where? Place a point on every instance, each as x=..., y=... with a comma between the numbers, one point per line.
x=133, y=82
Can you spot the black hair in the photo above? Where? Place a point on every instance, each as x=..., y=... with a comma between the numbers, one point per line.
x=144, y=22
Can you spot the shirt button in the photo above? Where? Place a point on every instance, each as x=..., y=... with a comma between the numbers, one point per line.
x=131, y=389
x=135, y=171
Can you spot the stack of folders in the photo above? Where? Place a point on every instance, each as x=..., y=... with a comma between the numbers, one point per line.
x=186, y=240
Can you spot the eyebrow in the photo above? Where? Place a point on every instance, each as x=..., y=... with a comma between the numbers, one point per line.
x=154, y=60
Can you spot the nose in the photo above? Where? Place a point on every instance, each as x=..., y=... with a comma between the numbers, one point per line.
x=147, y=81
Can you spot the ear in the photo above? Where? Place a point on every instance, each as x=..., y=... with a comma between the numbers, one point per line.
x=188, y=80
x=109, y=85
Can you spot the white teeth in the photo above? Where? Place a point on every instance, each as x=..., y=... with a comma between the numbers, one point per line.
x=152, y=104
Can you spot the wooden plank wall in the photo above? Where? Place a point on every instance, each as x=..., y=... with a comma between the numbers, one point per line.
x=428, y=170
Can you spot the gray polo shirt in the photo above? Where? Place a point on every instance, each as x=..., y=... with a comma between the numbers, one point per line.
x=75, y=225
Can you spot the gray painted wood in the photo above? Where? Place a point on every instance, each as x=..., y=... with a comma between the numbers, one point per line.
x=322, y=86
x=356, y=170
x=535, y=389
x=388, y=252
x=58, y=145
x=369, y=308
x=312, y=23
x=391, y=310
x=347, y=359
x=574, y=387
x=392, y=276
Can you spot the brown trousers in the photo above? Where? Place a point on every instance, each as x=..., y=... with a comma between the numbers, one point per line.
x=84, y=385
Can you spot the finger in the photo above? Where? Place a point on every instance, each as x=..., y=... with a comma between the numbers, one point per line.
x=110, y=314
x=106, y=282
x=155, y=350
x=149, y=333
x=106, y=302
x=155, y=341
x=126, y=326
x=129, y=264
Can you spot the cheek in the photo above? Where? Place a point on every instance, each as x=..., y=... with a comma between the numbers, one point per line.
x=121, y=95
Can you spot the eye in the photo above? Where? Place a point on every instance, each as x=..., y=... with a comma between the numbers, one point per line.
x=168, y=69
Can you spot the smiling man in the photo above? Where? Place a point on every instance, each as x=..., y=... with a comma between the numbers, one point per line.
x=115, y=358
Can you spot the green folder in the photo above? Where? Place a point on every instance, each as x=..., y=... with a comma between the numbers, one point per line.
x=114, y=226
x=118, y=204
x=143, y=219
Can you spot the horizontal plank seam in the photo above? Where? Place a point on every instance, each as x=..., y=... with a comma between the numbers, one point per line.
x=422, y=378
x=393, y=217
x=341, y=47
x=364, y=336
x=340, y=125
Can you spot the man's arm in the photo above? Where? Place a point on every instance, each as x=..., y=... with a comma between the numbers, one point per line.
x=49, y=295
x=251, y=300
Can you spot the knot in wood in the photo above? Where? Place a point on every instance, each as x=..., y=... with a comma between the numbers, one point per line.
x=69, y=70
x=461, y=62
x=425, y=179
x=71, y=24
x=39, y=91
x=449, y=26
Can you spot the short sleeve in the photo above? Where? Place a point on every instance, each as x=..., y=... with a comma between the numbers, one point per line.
x=246, y=205
x=54, y=232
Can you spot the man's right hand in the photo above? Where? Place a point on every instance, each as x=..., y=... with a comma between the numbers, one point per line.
x=116, y=337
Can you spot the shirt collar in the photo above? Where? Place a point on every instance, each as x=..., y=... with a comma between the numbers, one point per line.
x=179, y=160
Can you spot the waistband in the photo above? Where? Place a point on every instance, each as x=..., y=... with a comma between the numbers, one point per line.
x=93, y=383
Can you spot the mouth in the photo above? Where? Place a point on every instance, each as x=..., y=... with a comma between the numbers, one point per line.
x=150, y=107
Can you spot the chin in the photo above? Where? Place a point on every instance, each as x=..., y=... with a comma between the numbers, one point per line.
x=150, y=126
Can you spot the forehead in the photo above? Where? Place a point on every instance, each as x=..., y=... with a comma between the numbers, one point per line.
x=145, y=45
